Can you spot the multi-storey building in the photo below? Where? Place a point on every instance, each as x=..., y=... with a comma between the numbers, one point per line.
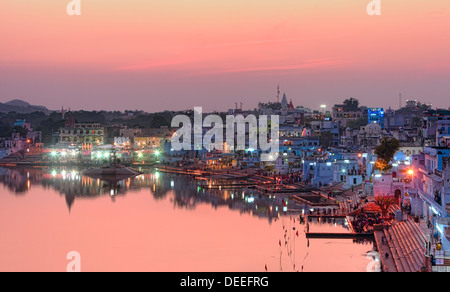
x=321, y=127
x=82, y=133
x=443, y=133
x=431, y=173
x=342, y=117
x=430, y=127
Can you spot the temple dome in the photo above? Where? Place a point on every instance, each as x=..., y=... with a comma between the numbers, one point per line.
x=373, y=129
x=400, y=156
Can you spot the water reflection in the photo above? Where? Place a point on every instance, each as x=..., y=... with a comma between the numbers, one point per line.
x=144, y=236
x=188, y=193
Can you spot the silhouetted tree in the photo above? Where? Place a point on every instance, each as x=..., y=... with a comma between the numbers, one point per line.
x=385, y=153
x=326, y=139
x=351, y=104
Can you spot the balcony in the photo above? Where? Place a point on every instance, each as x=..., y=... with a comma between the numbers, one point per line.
x=430, y=199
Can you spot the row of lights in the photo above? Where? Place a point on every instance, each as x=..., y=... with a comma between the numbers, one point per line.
x=99, y=155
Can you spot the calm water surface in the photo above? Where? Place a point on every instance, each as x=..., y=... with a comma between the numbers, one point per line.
x=156, y=222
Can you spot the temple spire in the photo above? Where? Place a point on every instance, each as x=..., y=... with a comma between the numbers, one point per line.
x=284, y=103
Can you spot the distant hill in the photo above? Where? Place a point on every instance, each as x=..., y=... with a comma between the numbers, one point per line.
x=20, y=106
x=17, y=102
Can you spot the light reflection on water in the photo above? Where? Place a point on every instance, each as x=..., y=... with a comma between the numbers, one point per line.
x=156, y=222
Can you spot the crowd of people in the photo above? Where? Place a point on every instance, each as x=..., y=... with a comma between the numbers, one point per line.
x=364, y=222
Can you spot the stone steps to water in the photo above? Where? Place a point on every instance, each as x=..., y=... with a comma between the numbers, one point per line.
x=406, y=243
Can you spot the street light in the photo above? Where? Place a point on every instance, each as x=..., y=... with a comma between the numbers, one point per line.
x=411, y=173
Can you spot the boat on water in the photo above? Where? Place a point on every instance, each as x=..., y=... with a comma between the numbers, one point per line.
x=113, y=173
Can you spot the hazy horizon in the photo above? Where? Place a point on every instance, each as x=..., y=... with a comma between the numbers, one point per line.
x=155, y=56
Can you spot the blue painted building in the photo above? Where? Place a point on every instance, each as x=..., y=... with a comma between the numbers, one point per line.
x=376, y=116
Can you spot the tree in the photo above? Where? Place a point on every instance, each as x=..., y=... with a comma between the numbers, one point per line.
x=48, y=127
x=22, y=131
x=351, y=104
x=158, y=121
x=326, y=139
x=385, y=153
x=5, y=130
x=269, y=105
x=384, y=203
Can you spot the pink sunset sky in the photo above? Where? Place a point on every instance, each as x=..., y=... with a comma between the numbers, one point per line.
x=170, y=55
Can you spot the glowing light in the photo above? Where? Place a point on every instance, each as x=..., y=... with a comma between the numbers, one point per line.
x=157, y=153
x=410, y=172
x=434, y=211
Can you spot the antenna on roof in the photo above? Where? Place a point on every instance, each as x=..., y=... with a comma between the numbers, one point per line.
x=278, y=93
